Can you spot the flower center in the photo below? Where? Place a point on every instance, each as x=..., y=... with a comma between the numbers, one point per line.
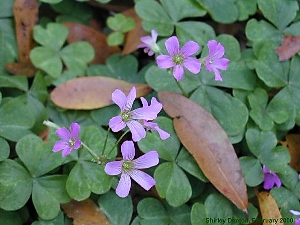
x=126, y=116
x=72, y=142
x=178, y=59
x=127, y=165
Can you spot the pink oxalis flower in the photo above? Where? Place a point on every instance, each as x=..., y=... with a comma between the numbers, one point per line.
x=149, y=43
x=214, y=60
x=132, y=118
x=270, y=179
x=296, y=213
x=131, y=168
x=70, y=139
x=179, y=58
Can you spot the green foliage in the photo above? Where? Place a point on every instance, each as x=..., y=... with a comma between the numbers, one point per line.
x=120, y=24
x=51, y=57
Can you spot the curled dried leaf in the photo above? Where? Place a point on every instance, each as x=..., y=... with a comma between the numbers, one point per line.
x=92, y=92
x=205, y=139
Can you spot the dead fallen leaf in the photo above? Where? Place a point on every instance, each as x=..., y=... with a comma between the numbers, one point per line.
x=290, y=45
x=92, y=92
x=21, y=68
x=26, y=17
x=205, y=139
x=268, y=208
x=85, y=212
x=79, y=32
x=132, y=40
x=293, y=144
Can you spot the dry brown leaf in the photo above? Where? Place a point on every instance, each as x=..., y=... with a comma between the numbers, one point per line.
x=133, y=37
x=293, y=144
x=21, y=68
x=26, y=17
x=268, y=208
x=92, y=92
x=79, y=32
x=205, y=139
x=85, y=213
x=289, y=47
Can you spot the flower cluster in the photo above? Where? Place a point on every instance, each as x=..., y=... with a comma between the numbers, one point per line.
x=138, y=121
x=178, y=59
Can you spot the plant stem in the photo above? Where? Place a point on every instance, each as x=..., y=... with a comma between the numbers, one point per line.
x=118, y=141
x=90, y=151
x=181, y=88
x=105, y=142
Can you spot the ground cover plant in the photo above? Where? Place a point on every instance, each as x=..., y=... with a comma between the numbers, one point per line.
x=149, y=112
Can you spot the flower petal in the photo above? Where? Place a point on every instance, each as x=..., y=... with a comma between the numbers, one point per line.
x=218, y=76
x=137, y=130
x=116, y=124
x=155, y=105
x=145, y=113
x=119, y=98
x=66, y=151
x=162, y=134
x=212, y=47
x=277, y=180
x=164, y=61
x=77, y=144
x=221, y=63
x=128, y=150
x=192, y=64
x=143, y=179
x=63, y=133
x=189, y=48
x=268, y=181
x=147, y=160
x=60, y=145
x=148, y=40
x=178, y=72
x=130, y=98
x=124, y=186
x=144, y=102
x=75, y=129
x=296, y=213
x=113, y=168
x=154, y=35
x=172, y=45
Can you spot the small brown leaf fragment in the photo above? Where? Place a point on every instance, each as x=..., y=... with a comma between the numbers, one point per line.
x=26, y=17
x=92, y=92
x=133, y=37
x=293, y=144
x=290, y=45
x=268, y=208
x=21, y=68
x=205, y=139
x=79, y=32
x=85, y=212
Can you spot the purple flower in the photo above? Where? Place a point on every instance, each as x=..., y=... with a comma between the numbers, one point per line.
x=214, y=61
x=270, y=179
x=151, y=125
x=296, y=213
x=129, y=168
x=70, y=139
x=179, y=58
x=133, y=119
x=149, y=43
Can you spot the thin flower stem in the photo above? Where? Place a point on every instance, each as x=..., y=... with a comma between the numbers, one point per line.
x=181, y=88
x=118, y=141
x=105, y=142
x=90, y=151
